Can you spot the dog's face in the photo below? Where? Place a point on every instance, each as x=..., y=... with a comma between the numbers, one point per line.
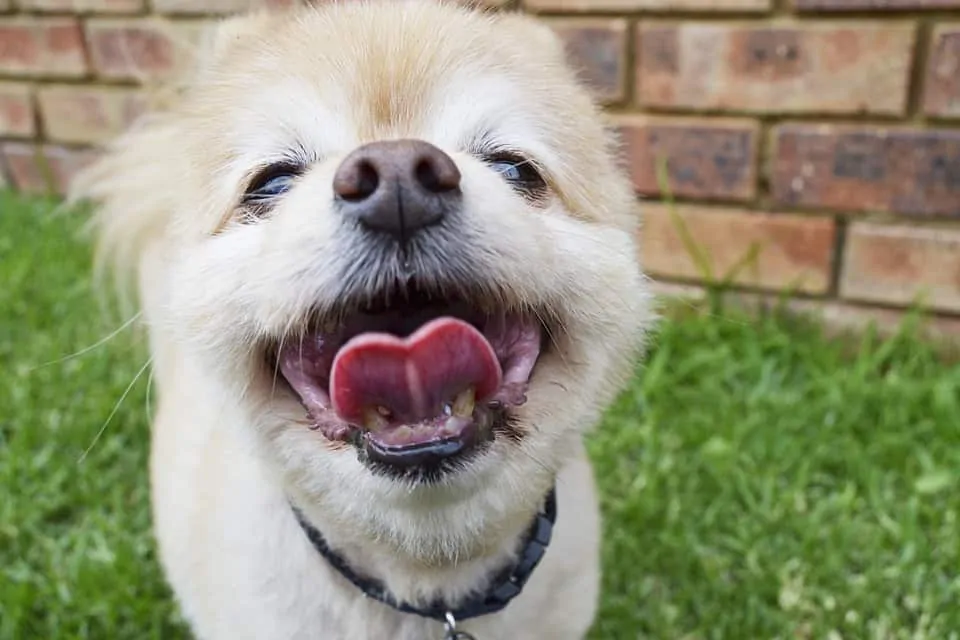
x=401, y=243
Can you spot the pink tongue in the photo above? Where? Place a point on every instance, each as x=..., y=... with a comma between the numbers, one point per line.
x=413, y=377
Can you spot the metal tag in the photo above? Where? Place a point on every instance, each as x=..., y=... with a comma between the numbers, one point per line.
x=450, y=630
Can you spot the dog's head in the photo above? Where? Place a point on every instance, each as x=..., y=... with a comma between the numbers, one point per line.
x=396, y=236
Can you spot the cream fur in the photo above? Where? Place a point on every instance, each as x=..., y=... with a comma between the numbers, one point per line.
x=229, y=448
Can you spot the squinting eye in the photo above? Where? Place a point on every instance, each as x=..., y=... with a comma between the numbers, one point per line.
x=520, y=173
x=275, y=186
x=272, y=182
x=266, y=187
x=508, y=170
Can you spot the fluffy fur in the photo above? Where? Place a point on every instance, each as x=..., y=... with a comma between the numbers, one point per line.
x=230, y=445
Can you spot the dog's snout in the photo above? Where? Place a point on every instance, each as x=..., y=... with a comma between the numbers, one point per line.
x=397, y=186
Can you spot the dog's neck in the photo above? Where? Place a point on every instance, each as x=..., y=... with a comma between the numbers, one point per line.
x=423, y=573
x=495, y=594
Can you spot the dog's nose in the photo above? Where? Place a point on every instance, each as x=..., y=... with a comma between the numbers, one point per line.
x=397, y=186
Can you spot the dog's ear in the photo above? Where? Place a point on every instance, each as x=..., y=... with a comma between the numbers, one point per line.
x=537, y=33
x=482, y=6
x=219, y=40
x=134, y=181
x=228, y=34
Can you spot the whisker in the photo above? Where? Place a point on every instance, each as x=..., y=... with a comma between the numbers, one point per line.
x=535, y=460
x=276, y=366
x=99, y=343
x=149, y=406
x=116, y=408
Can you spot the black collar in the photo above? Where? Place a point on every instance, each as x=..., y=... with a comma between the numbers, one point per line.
x=505, y=587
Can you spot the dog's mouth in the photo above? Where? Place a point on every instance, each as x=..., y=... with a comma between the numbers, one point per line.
x=414, y=381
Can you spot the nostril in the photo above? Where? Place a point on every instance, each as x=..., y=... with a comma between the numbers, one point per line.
x=357, y=180
x=437, y=175
x=368, y=180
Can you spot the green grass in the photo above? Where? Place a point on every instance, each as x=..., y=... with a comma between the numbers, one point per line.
x=760, y=480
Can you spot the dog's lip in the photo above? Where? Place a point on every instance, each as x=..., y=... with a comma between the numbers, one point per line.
x=430, y=452
x=418, y=454
x=306, y=362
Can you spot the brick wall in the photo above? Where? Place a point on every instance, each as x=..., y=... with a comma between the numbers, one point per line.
x=812, y=145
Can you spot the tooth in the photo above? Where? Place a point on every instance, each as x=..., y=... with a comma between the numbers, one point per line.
x=373, y=419
x=463, y=403
x=452, y=427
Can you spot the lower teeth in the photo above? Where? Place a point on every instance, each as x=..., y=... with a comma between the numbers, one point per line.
x=377, y=418
x=374, y=419
x=464, y=403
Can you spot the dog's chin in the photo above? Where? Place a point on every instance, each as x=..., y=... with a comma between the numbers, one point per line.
x=419, y=383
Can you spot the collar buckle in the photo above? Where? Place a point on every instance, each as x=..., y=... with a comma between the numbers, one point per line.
x=450, y=629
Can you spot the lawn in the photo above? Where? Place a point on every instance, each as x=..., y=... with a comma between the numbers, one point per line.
x=760, y=479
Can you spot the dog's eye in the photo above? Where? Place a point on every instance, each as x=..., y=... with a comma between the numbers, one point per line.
x=520, y=172
x=273, y=181
x=265, y=188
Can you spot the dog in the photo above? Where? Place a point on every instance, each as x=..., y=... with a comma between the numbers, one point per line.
x=386, y=257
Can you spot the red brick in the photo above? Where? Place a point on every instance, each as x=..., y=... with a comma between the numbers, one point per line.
x=41, y=47
x=941, y=95
x=712, y=159
x=83, y=6
x=45, y=169
x=194, y=7
x=139, y=49
x=88, y=114
x=648, y=5
x=597, y=49
x=901, y=265
x=909, y=171
x=23, y=168
x=874, y=5
x=794, y=251
x=858, y=67
x=16, y=111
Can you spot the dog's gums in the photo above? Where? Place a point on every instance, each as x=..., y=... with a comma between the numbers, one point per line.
x=415, y=383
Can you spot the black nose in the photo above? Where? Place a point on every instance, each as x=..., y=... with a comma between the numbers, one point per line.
x=398, y=186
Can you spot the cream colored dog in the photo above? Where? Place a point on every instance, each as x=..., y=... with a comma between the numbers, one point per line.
x=388, y=266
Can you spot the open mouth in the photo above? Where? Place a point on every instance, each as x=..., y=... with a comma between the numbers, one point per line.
x=413, y=381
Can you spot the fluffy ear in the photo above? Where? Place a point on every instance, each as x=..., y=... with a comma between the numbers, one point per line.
x=480, y=6
x=232, y=32
x=133, y=185
x=218, y=40
x=531, y=30
x=197, y=49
